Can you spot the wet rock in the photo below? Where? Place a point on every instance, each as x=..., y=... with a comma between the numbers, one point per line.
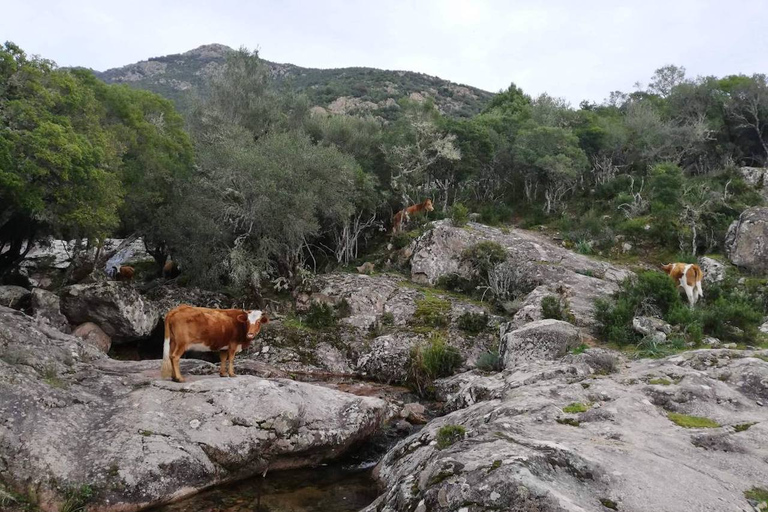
x=46, y=307
x=746, y=242
x=72, y=416
x=520, y=451
x=14, y=297
x=93, y=335
x=116, y=307
x=541, y=340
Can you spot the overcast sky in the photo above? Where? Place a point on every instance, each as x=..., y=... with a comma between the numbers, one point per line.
x=576, y=49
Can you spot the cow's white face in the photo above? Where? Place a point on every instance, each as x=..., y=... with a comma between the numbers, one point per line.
x=255, y=319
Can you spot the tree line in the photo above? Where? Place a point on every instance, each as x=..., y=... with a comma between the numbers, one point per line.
x=253, y=185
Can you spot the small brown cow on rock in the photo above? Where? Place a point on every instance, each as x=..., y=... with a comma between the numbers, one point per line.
x=124, y=273
x=170, y=269
x=226, y=331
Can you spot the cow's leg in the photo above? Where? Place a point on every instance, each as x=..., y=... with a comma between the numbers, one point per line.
x=176, y=354
x=688, y=292
x=232, y=351
x=223, y=367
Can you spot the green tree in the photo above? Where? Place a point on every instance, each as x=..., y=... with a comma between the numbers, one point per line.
x=58, y=164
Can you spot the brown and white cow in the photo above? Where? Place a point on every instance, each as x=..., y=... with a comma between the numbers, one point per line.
x=687, y=276
x=226, y=331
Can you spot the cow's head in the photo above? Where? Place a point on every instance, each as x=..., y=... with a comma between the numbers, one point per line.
x=428, y=205
x=254, y=320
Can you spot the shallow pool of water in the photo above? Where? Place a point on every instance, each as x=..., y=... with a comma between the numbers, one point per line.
x=332, y=488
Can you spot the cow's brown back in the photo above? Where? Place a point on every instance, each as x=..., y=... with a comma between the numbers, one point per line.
x=215, y=328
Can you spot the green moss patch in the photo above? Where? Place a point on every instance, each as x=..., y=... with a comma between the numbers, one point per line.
x=575, y=407
x=449, y=434
x=687, y=421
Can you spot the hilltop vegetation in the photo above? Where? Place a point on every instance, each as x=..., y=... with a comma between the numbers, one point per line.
x=345, y=90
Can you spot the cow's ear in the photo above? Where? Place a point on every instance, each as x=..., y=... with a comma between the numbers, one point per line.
x=243, y=319
x=264, y=319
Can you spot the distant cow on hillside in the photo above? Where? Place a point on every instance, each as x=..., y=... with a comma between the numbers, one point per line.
x=124, y=273
x=687, y=276
x=226, y=331
x=404, y=215
x=170, y=269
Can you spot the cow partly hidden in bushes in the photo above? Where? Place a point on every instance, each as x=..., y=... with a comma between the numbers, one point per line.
x=404, y=215
x=226, y=331
x=687, y=276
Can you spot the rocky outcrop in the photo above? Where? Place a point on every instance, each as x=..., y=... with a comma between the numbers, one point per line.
x=15, y=297
x=555, y=436
x=654, y=328
x=756, y=177
x=714, y=271
x=541, y=340
x=116, y=307
x=746, y=242
x=72, y=416
x=578, y=278
x=46, y=307
x=388, y=356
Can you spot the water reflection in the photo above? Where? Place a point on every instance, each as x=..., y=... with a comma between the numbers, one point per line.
x=333, y=488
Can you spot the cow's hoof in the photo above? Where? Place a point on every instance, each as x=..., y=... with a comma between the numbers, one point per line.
x=223, y=375
x=231, y=374
x=180, y=381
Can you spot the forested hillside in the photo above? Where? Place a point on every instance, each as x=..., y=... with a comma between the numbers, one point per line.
x=346, y=90
x=255, y=185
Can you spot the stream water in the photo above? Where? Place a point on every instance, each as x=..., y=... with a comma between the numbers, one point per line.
x=332, y=488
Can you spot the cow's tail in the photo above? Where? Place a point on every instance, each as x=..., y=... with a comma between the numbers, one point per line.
x=166, y=370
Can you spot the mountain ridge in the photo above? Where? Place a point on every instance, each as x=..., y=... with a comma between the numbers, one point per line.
x=350, y=90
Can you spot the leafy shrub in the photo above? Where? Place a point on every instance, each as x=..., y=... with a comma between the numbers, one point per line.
x=650, y=293
x=457, y=283
x=459, y=215
x=320, y=315
x=483, y=256
x=431, y=361
x=556, y=308
x=432, y=311
x=401, y=239
x=448, y=435
x=495, y=214
x=583, y=247
x=490, y=362
x=387, y=318
x=473, y=322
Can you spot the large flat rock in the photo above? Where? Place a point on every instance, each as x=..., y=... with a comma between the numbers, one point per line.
x=71, y=416
x=525, y=450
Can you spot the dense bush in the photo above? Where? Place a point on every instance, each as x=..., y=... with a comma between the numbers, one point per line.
x=490, y=362
x=483, y=256
x=432, y=311
x=459, y=215
x=320, y=315
x=556, y=308
x=472, y=323
x=448, y=435
x=430, y=361
x=727, y=312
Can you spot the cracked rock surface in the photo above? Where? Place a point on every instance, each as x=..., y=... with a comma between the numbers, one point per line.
x=71, y=416
x=557, y=436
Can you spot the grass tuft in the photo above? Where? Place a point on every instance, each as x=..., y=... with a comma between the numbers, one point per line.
x=687, y=421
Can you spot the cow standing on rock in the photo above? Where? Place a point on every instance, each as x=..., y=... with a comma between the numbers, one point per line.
x=226, y=331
